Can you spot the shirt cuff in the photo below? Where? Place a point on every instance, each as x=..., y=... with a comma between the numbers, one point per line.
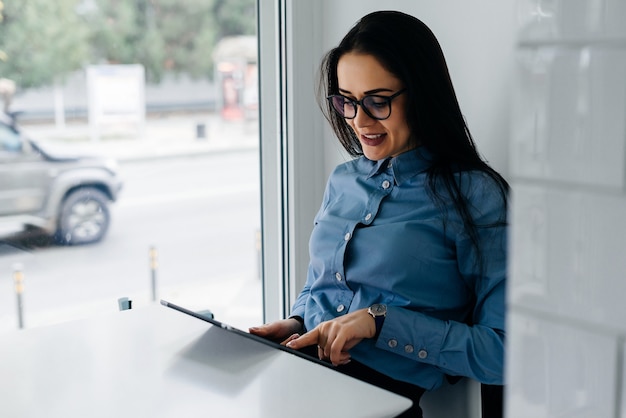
x=412, y=335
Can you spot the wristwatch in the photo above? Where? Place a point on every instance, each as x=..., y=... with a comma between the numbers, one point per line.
x=378, y=312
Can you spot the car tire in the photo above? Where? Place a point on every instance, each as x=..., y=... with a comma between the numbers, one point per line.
x=84, y=217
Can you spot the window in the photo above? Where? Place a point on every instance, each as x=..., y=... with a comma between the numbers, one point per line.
x=183, y=135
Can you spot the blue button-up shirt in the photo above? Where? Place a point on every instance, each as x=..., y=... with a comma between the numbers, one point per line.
x=379, y=237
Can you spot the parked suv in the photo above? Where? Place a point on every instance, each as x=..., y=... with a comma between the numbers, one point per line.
x=67, y=197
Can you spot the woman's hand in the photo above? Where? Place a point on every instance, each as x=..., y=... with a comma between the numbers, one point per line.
x=279, y=330
x=336, y=337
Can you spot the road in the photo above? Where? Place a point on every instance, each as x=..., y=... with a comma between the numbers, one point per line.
x=201, y=214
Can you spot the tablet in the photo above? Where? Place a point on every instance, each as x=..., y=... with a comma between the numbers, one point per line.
x=245, y=334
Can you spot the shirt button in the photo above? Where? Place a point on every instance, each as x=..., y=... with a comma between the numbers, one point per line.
x=368, y=216
x=347, y=236
x=338, y=276
x=386, y=184
x=340, y=308
x=422, y=354
x=408, y=348
x=392, y=343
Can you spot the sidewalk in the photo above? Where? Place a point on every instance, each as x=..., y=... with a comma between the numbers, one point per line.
x=175, y=135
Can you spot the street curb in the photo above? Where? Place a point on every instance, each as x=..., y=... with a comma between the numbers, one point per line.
x=182, y=154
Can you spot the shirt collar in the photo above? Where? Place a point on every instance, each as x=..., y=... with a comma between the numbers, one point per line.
x=376, y=167
x=404, y=166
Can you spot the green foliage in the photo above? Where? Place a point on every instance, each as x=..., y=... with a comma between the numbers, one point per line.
x=235, y=17
x=167, y=36
x=37, y=44
x=42, y=41
x=3, y=55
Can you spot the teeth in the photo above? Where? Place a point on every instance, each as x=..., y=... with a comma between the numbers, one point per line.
x=372, y=136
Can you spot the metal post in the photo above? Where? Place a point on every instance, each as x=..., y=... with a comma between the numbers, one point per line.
x=200, y=131
x=153, y=269
x=18, y=279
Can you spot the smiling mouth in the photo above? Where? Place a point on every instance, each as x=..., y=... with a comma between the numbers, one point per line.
x=372, y=140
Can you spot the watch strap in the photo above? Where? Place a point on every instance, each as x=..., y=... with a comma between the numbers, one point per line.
x=378, y=320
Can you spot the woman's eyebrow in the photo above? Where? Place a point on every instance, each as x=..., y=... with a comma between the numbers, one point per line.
x=374, y=91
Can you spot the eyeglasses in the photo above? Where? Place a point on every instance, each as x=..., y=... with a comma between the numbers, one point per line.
x=377, y=107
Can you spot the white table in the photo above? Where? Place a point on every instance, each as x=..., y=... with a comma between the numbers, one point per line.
x=156, y=362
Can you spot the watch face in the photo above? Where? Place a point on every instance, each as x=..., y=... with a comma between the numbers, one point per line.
x=378, y=309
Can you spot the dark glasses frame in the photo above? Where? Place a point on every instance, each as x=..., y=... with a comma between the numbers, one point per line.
x=338, y=106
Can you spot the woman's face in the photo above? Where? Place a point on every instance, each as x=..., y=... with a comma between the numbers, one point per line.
x=359, y=75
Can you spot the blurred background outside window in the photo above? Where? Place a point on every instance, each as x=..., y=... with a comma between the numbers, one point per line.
x=129, y=158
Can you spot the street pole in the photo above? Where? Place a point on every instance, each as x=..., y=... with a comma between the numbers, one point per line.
x=153, y=269
x=18, y=279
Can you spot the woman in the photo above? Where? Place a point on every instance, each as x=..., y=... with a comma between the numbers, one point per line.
x=406, y=283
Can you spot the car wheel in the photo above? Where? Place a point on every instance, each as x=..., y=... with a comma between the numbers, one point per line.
x=84, y=217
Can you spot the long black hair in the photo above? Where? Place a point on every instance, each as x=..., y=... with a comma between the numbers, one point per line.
x=409, y=50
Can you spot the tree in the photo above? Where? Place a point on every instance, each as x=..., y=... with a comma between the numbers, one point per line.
x=235, y=17
x=38, y=49
x=42, y=41
x=3, y=55
x=167, y=36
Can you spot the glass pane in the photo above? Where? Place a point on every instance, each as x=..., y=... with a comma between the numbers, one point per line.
x=164, y=94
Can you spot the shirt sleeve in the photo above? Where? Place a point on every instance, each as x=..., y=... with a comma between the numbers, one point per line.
x=298, y=308
x=474, y=349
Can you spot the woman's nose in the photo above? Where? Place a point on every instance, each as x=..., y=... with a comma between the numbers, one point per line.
x=362, y=118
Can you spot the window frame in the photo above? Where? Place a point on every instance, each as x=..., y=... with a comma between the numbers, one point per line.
x=291, y=146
